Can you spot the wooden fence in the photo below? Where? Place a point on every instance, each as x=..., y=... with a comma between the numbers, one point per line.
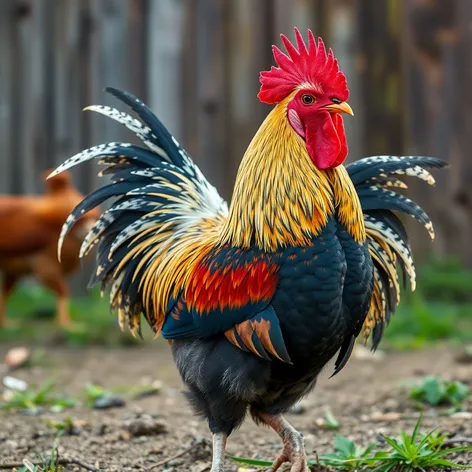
x=196, y=63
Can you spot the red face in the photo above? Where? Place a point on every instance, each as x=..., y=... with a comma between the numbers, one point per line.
x=316, y=118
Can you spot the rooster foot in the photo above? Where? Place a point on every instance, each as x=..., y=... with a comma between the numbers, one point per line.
x=294, y=446
x=293, y=451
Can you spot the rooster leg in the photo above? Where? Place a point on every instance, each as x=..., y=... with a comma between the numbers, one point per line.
x=219, y=447
x=294, y=447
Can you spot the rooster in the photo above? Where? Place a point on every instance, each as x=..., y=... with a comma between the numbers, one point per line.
x=30, y=229
x=256, y=298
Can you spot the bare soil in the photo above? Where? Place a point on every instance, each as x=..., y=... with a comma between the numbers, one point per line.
x=367, y=397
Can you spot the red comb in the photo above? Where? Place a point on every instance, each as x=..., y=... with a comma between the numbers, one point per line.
x=310, y=65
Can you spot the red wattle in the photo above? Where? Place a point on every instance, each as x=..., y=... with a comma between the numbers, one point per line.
x=339, y=125
x=327, y=148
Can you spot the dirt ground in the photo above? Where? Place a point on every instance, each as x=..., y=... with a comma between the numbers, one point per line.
x=367, y=398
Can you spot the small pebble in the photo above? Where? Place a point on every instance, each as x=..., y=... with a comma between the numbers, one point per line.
x=149, y=390
x=319, y=422
x=109, y=401
x=13, y=383
x=37, y=410
x=16, y=357
x=391, y=403
x=100, y=430
x=390, y=416
x=310, y=442
x=146, y=425
x=10, y=443
x=464, y=415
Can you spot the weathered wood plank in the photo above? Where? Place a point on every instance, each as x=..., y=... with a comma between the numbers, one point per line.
x=24, y=173
x=67, y=110
x=211, y=90
x=380, y=75
x=248, y=54
x=164, y=66
x=138, y=26
x=7, y=102
x=188, y=63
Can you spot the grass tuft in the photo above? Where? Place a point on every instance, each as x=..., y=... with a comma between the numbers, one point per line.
x=46, y=464
x=435, y=391
x=407, y=453
x=34, y=399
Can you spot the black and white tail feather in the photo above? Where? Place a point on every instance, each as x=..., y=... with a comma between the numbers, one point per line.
x=161, y=197
x=374, y=179
x=160, y=193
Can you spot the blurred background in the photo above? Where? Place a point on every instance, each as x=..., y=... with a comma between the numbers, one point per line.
x=196, y=64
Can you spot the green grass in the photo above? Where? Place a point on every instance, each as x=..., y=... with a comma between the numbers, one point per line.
x=35, y=399
x=415, y=452
x=46, y=464
x=93, y=392
x=347, y=455
x=407, y=453
x=435, y=391
x=64, y=427
x=330, y=421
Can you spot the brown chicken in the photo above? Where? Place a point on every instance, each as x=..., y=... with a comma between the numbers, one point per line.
x=30, y=227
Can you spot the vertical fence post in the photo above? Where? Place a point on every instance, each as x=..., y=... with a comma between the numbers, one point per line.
x=164, y=71
x=6, y=97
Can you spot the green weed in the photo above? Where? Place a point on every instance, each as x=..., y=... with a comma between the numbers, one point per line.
x=348, y=455
x=436, y=391
x=66, y=426
x=415, y=452
x=330, y=420
x=34, y=399
x=93, y=392
x=43, y=464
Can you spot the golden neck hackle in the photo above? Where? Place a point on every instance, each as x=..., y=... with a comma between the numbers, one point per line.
x=280, y=198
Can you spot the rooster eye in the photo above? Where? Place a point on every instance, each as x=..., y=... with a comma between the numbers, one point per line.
x=308, y=99
x=336, y=100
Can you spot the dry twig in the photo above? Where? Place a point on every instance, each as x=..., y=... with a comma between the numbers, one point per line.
x=458, y=440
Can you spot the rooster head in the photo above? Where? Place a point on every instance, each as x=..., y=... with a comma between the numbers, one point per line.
x=318, y=91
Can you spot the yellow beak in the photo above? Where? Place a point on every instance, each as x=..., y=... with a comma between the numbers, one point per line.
x=342, y=107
